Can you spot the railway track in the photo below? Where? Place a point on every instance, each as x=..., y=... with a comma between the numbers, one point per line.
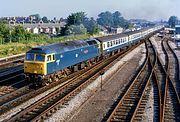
x=43, y=108
x=25, y=93
x=171, y=101
x=131, y=105
x=11, y=61
x=166, y=100
x=151, y=86
x=173, y=60
x=4, y=90
x=11, y=80
x=11, y=76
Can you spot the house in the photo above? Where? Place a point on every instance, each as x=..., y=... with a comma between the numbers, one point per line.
x=116, y=30
x=53, y=30
x=28, y=29
x=35, y=30
x=103, y=30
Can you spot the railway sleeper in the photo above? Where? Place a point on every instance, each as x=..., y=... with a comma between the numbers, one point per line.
x=125, y=107
x=140, y=112
x=122, y=117
x=123, y=110
x=137, y=119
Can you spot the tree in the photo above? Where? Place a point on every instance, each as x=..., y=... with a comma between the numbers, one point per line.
x=18, y=33
x=76, y=18
x=45, y=19
x=91, y=25
x=75, y=29
x=105, y=19
x=35, y=17
x=173, y=20
x=117, y=19
x=4, y=31
x=108, y=19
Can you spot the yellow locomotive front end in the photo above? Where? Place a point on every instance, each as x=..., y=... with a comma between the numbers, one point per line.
x=31, y=67
x=35, y=66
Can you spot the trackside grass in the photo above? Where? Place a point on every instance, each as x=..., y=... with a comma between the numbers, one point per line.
x=14, y=48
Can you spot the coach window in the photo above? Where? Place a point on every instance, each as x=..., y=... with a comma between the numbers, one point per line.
x=108, y=44
x=104, y=46
x=111, y=43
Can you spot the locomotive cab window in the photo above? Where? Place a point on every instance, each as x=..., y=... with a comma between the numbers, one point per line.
x=40, y=57
x=29, y=56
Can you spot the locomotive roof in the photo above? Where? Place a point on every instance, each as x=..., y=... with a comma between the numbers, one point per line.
x=110, y=37
x=59, y=47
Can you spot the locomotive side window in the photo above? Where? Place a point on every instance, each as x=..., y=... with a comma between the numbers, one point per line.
x=30, y=57
x=49, y=58
x=53, y=57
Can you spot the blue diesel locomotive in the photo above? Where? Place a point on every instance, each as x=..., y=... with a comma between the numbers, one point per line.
x=48, y=63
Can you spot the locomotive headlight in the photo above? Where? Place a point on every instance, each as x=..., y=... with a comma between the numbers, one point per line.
x=39, y=78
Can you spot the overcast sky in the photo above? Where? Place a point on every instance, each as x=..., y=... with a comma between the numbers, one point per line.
x=130, y=9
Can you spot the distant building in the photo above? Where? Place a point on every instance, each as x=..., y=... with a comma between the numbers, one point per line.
x=103, y=30
x=169, y=30
x=35, y=30
x=53, y=30
x=28, y=29
x=116, y=30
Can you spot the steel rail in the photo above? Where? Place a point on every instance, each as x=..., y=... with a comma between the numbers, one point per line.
x=130, y=90
x=176, y=77
x=169, y=83
x=11, y=61
x=144, y=97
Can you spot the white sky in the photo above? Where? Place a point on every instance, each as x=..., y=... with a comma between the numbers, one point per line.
x=143, y=9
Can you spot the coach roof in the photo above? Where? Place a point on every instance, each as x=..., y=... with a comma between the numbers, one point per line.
x=111, y=37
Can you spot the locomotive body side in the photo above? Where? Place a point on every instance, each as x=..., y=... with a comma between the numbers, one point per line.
x=55, y=57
